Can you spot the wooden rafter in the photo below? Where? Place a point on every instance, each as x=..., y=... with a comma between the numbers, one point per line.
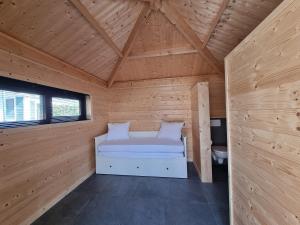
x=162, y=52
x=20, y=49
x=154, y=4
x=215, y=22
x=176, y=18
x=86, y=14
x=128, y=45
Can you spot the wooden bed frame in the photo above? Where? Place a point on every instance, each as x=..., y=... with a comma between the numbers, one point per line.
x=155, y=167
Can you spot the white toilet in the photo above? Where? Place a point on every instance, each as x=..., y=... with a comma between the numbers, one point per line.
x=219, y=153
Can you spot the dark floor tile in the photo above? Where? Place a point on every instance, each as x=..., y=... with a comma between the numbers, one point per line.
x=188, y=190
x=180, y=212
x=66, y=210
x=103, y=210
x=145, y=211
x=149, y=187
x=220, y=213
x=216, y=192
x=129, y=200
x=110, y=185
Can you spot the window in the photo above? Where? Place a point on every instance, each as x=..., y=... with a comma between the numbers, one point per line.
x=18, y=106
x=9, y=109
x=23, y=104
x=65, y=107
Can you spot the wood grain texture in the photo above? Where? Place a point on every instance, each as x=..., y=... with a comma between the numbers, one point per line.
x=18, y=48
x=141, y=20
x=40, y=164
x=176, y=18
x=57, y=28
x=158, y=34
x=146, y=103
x=262, y=79
x=95, y=24
x=164, y=67
x=238, y=20
x=199, y=14
x=90, y=40
x=201, y=131
x=159, y=38
x=116, y=17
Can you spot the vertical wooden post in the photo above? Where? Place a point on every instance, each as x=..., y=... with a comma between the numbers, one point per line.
x=201, y=131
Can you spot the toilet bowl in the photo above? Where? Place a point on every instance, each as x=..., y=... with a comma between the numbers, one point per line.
x=219, y=153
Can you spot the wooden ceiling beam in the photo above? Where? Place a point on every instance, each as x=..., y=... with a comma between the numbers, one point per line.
x=215, y=22
x=128, y=45
x=20, y=49
x=154, y=4
x=92, y=21
x=162, y=52
x=178, y=20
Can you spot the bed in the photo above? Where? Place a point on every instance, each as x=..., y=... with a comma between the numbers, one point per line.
x=141, y=155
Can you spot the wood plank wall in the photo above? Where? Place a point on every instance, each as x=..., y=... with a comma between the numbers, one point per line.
x=39, y=165
x=146, y=103
x=201, y=131
x=263, y=84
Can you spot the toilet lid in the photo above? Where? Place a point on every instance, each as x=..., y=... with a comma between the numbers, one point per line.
x=219, y=148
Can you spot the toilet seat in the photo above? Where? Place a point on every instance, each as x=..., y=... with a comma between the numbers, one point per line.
x=219, y=153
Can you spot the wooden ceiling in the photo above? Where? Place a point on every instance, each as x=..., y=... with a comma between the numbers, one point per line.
x=119, y=40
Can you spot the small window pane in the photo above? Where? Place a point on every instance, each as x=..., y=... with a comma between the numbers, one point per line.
x=65, y=107
x=17, y=106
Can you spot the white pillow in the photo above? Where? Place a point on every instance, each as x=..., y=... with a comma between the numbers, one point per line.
x=170, y=130
x=118, y=131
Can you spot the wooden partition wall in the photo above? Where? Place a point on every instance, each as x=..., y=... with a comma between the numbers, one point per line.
x=263, y=86
x=41, y=164
x=201, y=131
x=146, y=103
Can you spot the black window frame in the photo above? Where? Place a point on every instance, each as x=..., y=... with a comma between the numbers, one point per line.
x=47, y=94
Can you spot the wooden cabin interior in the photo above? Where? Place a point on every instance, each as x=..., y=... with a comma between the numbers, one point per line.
x=221, y=78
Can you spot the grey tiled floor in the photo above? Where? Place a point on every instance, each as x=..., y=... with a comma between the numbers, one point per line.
x=127, y=200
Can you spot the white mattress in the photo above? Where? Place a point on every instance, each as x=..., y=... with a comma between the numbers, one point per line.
x=141, y=147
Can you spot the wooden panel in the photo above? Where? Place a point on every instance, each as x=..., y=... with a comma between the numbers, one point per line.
x=195, y=128
x=20, y=49
x=199, y=14
x=146, y=103
x=116, y=17
x=163, y=67
x=41, y=164
x=205, y=135
x=57, y=28
x=140, y=22
x=158, y=34
x=238, y=20
x=262, y=79
x=176, y=18
x=201, y=130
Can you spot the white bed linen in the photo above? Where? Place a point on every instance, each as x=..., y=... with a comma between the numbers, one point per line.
x=142, y=145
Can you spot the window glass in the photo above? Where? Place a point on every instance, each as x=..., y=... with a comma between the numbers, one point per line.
x=24, y=104
x=65, y=107
x=18, y=106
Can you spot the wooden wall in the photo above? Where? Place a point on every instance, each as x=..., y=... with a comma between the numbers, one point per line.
x=263, y=84
x=201, y=131
x=39, y=165
x=146, y=103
